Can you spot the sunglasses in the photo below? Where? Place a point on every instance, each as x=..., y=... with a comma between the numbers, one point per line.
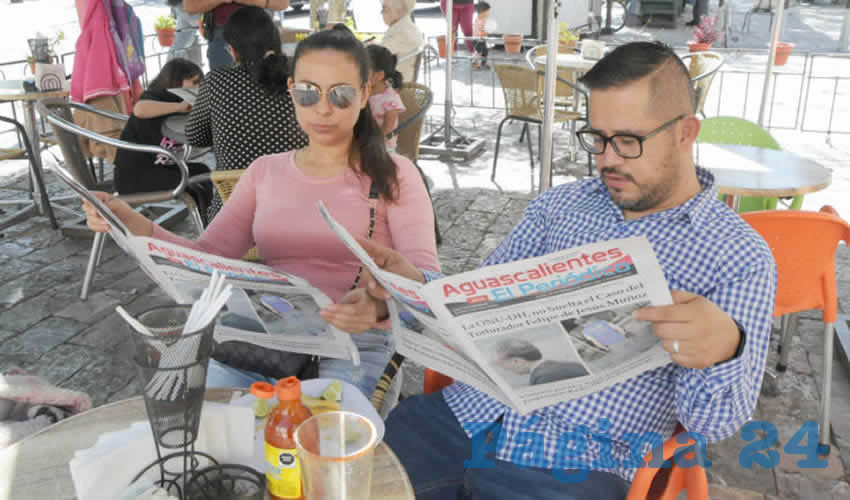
x=340, y=96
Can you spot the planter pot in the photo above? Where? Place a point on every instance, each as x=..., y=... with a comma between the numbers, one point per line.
x=513, y=43
x=166, y=36
x=567, y=47
x=698, y=46
x=441, y=45
x=783, y=50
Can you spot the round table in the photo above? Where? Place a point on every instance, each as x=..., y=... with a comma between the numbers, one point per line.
x=751, y=171
x=12, y=91
x=568, y=61
x=37, y=467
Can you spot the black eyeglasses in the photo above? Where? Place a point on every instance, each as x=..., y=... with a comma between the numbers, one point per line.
x=340, y=96
x=626, y=145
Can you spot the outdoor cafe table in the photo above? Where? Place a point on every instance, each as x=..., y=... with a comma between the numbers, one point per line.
x=12, y=91
x=37, y=466
x=751, y=171
x=568, y=61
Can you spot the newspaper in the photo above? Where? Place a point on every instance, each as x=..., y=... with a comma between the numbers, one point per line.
x=188, y=94
x=268, y=308
x=534, y=332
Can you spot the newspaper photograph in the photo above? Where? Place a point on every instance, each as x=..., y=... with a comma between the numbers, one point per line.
x=534, y=332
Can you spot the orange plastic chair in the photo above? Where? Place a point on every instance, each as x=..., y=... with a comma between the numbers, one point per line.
x=657, y=483
x=803, y=245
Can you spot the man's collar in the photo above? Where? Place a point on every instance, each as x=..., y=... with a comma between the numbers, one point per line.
x=694, y=210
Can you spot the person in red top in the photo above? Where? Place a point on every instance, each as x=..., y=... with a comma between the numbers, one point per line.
x=221, y=10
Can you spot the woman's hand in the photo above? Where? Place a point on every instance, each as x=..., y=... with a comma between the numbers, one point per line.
x=137, y=223
x=388, y=260
x=356, y=312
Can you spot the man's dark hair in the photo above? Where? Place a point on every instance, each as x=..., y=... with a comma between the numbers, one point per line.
x=517, y=348
x=482, y=7
x=631, y=62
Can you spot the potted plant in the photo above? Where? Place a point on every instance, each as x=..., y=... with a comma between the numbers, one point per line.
x=704, y=34
x=783, y=50
x=567, y=39
x=43, y=49
x=166, y=30
x=513, y=43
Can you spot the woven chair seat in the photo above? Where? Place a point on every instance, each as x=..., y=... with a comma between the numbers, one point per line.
x=225, y=182
x=12, y=154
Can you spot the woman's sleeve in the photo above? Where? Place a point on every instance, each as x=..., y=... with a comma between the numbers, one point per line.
x=411, y=218
x=199, y=124
x=231, y=232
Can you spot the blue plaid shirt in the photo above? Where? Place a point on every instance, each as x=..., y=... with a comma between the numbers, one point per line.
x=703, y=247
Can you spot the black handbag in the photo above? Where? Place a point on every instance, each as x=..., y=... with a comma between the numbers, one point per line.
x=280, y=364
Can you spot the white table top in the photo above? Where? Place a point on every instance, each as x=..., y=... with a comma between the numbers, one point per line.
x=752, y=171
x=571, y=61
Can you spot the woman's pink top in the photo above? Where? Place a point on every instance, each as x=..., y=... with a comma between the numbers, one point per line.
x=274, y=206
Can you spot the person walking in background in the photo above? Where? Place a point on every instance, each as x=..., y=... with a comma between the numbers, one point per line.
x=186, y=44
x=700, y=9
x=482, y=10
x=384, y=101
x=462, y=14
x=403, y=36
x=219, y=12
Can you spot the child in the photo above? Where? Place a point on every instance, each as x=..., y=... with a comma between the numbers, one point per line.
x=138, y=172
x=482, y=10
x=384, y=101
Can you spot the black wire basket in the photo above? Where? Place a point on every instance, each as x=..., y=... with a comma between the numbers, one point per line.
x=226, y=482
x=172, y=366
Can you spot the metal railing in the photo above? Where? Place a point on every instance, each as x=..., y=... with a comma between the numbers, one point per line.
x=810, y=93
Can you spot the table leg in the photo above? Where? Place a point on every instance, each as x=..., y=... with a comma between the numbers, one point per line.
x=39, y=190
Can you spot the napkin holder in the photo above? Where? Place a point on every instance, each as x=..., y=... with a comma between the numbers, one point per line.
x=592, y=49
x=49, y=77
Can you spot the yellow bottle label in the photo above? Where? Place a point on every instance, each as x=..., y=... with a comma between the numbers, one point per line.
x=283, y=472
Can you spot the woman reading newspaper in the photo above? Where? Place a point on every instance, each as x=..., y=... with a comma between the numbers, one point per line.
x=274, y=206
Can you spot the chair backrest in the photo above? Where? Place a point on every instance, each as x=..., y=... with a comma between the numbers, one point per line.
x=732, y=130
x=417, y=99
x=803, y=245
x=702, y=67
x=57, y=111
x=562, y=90
x=519, y=85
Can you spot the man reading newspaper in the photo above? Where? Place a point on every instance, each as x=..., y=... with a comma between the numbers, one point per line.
x=463, y=443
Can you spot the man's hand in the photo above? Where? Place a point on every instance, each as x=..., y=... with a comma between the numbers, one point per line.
x=391, y=261
x=704, y=333
x=355, y=313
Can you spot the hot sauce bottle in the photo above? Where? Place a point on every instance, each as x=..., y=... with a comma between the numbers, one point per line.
x=283, y=469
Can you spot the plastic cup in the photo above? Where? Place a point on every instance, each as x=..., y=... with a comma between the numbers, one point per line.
x=336, y=451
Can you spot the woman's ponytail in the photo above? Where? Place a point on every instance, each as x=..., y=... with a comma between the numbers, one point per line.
x=271, y=72
x=374, y=160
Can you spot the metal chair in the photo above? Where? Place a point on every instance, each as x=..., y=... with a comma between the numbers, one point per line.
x=58, y=114
x=666, y=482
x=35, y=176
x=733, y=130
x=702, y=67
x=803, y=245
x=524, y=102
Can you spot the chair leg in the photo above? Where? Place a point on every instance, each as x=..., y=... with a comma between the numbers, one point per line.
x=785, y=341
x=523, y=132
x=530, y=150
x=826, y=392
x=96, y=247
x=496, y=153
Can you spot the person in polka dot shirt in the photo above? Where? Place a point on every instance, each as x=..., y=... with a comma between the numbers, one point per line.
x=246, y=112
